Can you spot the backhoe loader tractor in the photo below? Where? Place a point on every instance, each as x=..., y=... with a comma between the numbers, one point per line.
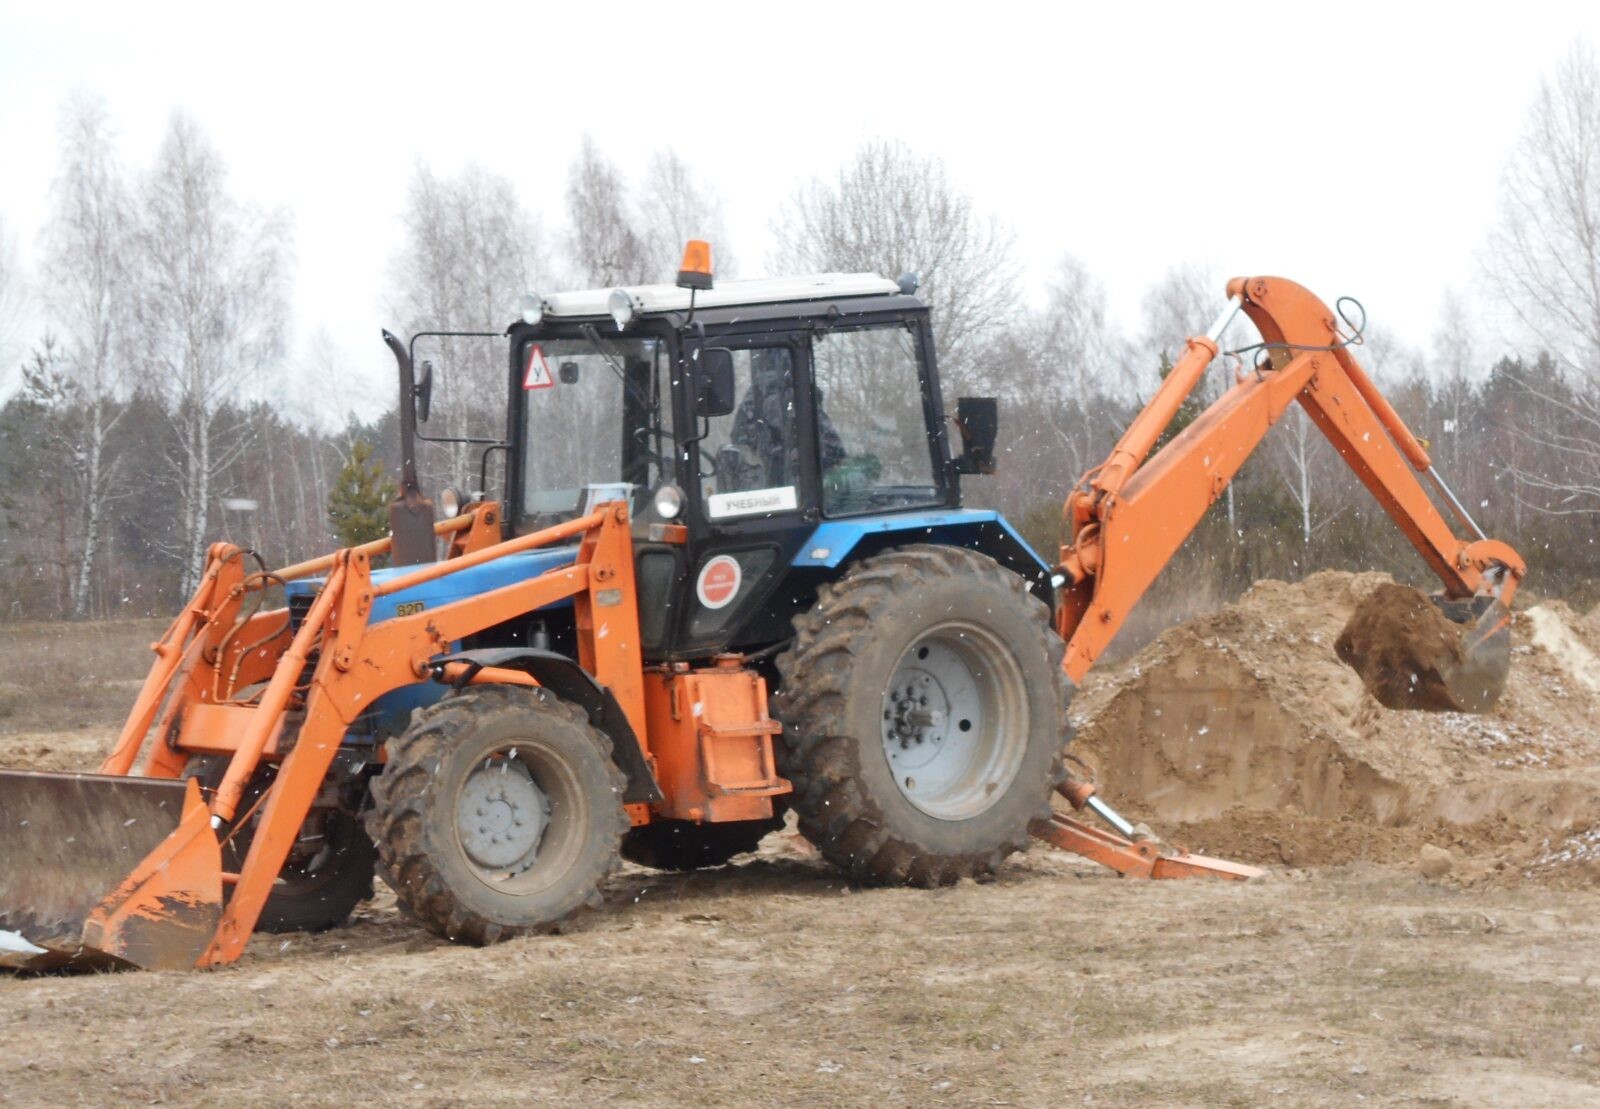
x=729, y=574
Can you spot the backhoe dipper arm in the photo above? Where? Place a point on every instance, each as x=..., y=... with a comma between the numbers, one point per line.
x=1128, y=517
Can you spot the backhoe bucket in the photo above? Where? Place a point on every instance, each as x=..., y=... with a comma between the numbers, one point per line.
x=100, y=871
x=1433, y=654
x=1477, y=679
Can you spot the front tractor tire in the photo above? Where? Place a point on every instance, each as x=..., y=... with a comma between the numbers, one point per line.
x=498, y=814
x=330, y=866
x=925, y=714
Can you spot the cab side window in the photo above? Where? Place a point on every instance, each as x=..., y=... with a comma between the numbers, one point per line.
x=757, y=445
x=873, y=445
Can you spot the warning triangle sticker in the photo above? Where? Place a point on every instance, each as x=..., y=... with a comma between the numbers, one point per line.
x=538, y=375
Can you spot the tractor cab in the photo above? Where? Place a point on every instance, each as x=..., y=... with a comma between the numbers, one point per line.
x=744, y=423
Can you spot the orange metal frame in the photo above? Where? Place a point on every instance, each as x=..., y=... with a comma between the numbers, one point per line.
x=224, y=677
x=1128, y=517
x=211, y=656
x=1134, y=858
x=1131, y=858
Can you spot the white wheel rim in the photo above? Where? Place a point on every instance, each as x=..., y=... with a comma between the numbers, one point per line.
x=955, y=721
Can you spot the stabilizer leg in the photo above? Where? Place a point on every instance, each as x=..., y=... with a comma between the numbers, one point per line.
x=1128, y=856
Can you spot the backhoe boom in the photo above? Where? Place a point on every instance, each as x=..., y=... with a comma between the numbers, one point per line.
x=1128, y=517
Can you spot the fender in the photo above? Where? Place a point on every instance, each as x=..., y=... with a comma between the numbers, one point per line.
x=836, y=542
x=571, y=682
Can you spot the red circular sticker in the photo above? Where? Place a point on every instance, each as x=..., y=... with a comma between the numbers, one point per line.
x=718, y=582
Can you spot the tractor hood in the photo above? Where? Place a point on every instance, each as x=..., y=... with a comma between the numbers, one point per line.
x=390, y=713
x=473, y=582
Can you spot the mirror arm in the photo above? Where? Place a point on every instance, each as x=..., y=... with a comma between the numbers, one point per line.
x=483, y=465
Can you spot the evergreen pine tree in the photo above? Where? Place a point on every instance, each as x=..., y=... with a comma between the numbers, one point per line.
x=358, y=505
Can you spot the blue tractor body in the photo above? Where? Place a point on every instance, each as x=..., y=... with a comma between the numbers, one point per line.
x=389, y=714
x=827, y=549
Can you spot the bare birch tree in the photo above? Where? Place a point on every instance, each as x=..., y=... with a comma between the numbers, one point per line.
x=1544, y=254
x=674, y=207
x=211, y=312
x=604, y=245
x=1555, y=455
x=1072, y=360
x=1303, y=458
x=1181, y=305
x=470, y=250
x=1084, y=354
x=890, y=211
x=11, y=298
x=85, y=278
x=1544, y=260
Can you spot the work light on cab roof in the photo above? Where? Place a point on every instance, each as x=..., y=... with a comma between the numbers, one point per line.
x=622, y=305
x=531, y=308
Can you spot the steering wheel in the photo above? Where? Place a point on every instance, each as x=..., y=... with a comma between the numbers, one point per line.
x=707, y=459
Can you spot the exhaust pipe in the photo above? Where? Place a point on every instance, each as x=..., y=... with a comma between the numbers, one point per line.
x=410, y=513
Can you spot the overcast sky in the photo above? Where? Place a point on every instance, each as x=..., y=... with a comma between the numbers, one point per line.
x=1355, y=148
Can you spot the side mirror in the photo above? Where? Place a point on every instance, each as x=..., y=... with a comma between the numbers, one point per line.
x=714, y=386
x=978, y=420
x=422, y=391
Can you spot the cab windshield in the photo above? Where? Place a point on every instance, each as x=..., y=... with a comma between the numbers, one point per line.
x=598, y=411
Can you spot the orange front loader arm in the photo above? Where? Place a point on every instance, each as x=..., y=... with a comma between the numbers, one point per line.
x=1128, y=517
x=258, y=692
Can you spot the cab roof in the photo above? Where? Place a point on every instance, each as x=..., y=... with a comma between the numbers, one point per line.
x=726, y=294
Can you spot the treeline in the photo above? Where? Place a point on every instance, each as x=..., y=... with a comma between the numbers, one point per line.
x=143, y=428
x=273, y=483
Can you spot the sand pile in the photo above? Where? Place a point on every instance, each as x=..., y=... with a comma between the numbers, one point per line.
x=1241, y=732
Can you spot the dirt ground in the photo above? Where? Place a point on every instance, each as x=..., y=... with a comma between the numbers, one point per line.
x=1239, y=732
x=1344, y=976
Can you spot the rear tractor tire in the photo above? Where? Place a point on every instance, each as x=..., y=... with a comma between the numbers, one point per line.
x=925, y=715
x=498, y=814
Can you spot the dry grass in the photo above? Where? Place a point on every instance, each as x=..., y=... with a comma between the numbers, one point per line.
x=774, y=982
x=60, y=676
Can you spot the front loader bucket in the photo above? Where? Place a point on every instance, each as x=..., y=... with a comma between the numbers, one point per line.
x=1434, y=654
x=100, y=871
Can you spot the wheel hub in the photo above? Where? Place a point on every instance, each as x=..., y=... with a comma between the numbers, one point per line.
x=953, y=722
x=501, y=815
x=917, y=712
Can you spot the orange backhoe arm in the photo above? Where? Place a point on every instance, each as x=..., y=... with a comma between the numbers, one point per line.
x=1128, y=516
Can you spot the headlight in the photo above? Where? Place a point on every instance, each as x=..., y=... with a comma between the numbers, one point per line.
x=669, y=502
x=620, y=305
x=451, y=501
x=532, y=308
